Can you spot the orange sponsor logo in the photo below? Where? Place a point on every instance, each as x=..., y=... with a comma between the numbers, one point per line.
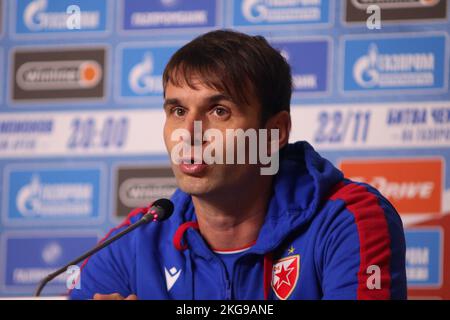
x=412, y=185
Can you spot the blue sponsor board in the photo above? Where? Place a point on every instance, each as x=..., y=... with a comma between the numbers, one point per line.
x=50, y=195
x=169, y=14
x=47, y=17
x=28, y=258
x=142, y=69
x=2, y=18
x=309, y=61
x=1, y=72
x=424, y=257
x=264, y=13
x=413, y=63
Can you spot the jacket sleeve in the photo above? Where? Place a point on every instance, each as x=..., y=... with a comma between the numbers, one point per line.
x=363, y=256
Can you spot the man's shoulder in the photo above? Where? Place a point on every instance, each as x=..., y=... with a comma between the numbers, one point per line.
x=359, y=196
x=364, y=206
x=351, y=205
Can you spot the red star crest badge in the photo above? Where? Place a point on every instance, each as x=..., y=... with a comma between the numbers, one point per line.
x=285, y=275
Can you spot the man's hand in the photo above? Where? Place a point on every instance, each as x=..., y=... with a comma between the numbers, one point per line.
x=114, y=296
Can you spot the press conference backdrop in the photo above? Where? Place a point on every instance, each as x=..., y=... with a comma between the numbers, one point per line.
x=81, y=115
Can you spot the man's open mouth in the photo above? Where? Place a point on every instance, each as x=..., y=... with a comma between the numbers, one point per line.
x=192, y=166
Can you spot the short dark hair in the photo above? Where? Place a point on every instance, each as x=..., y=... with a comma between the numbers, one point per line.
x=235, y=64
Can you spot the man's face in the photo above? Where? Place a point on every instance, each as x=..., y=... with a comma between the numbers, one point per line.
x=184, y=105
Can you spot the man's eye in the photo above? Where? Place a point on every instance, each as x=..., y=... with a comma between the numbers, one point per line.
x=178, y=111
x=220, y=112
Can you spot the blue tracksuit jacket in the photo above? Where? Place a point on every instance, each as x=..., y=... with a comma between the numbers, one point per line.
x=324, y=237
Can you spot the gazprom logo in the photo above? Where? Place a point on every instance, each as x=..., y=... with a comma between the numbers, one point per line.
x=254, y=10
x=412, y=62
x=37, y=18
x=301, y=81
x=141, y=70
x=51, y=253
x=169, y=14
x=394, y=70
x=49, y=194
x=283, y=11
x=29, y=256
x=48, y=199
x=309, y=61
x=59, y=16
x=141, y=79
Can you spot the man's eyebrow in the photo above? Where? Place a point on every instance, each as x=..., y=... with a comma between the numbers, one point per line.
x=171, y=101
x=219, y=97
x=209, y=100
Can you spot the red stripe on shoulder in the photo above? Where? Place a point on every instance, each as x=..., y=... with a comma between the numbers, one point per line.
x=374, y=238
x=124, y=223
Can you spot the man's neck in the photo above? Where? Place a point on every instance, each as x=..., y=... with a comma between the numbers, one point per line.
x=233, y=219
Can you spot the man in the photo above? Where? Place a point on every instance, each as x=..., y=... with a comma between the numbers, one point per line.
x=302, y=233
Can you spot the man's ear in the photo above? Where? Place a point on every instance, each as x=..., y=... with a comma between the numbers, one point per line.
x=282, y=122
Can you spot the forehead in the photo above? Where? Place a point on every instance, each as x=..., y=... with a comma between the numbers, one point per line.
x=212, y=79
x=196, y=89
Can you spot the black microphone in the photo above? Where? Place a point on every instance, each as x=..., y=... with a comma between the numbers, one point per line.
x=160, y=210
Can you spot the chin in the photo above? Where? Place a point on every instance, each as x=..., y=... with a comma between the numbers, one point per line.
x=194, y=186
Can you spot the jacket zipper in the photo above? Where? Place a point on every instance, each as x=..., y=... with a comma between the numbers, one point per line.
x=228, y=290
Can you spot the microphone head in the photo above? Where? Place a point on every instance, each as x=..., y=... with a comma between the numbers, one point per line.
x=161, y=209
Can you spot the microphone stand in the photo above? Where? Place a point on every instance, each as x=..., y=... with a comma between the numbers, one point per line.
x=145, y=219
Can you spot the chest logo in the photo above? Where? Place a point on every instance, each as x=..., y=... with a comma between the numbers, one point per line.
x=285, y=274
x=171, y=277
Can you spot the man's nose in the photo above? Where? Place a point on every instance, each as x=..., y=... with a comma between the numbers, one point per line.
x=194, y=124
